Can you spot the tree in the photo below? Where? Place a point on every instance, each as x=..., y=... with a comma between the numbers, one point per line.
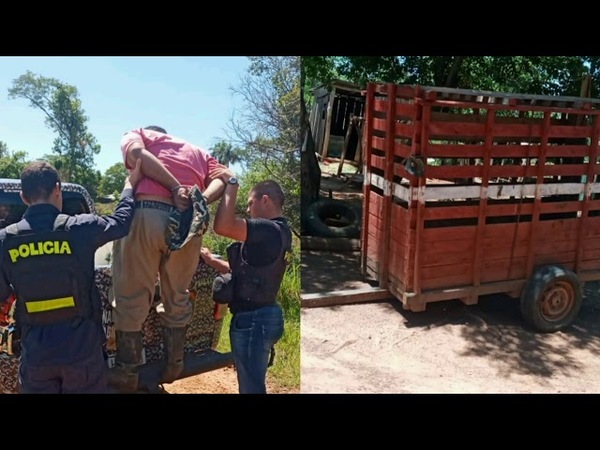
x=544, y=75
x=11, y=163
x=226, y=153
x=113, y=180
x=268, y=126
x=311, y=172
x=74, y=145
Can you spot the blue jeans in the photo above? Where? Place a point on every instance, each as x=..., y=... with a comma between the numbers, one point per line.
x=252, y=335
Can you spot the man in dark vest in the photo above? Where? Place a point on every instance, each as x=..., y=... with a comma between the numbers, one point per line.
x=257, y=262
x=47, y=262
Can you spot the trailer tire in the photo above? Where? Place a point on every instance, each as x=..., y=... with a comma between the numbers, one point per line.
x=333, y=218
x=551, y=298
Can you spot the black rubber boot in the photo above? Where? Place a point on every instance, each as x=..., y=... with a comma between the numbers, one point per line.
x=174, y=340
x=124, y=376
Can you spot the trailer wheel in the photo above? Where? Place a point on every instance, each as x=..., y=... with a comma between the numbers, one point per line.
x=551, y=299
x=333, y=218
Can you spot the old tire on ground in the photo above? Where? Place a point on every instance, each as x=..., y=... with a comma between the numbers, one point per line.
x=551, y=298
x=333, y=218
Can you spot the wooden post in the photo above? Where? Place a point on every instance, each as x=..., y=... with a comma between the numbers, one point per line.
x=328, y=123
x=359, y=146
x=368, y=136
x=388, y=187
x=346, y=142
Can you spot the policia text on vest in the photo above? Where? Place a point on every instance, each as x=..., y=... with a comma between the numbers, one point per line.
x=45, y=259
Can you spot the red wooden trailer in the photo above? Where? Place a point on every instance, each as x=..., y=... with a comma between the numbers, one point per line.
x=469, y=193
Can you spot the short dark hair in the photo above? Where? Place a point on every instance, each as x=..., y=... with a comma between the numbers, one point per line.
x=38, y=180
x=270, y=188
x=156, y=128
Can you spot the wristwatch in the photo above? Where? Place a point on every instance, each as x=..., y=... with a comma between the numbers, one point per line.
x=233, y=180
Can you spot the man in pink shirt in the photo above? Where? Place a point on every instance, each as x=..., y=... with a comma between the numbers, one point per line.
x=171, y=167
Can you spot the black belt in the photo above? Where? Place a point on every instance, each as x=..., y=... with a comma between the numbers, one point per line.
x=153, y=204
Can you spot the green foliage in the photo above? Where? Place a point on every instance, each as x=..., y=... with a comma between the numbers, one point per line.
x=544, y=75
x=268, y=127
x=74, y=145
x=289, y=293
x=267, y=169
x=215, y=243
x=226, y=153
x=103, y=209
x=11, y=163
x=113, y=180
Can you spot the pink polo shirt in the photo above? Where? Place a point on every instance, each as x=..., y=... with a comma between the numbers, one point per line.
x=191, y=165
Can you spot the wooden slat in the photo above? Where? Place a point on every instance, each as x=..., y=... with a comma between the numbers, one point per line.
x=421, y=135
x=510, y=171
x=403, y=130
x=566, y=259
x=343, y=297
x=406, y=91
x=377, y=161
x=502, y=270
x=456, y=129
x=380, y=104
x=378, y=143
x=387, y=196
x=448, y=150
x=591, y=249
x=529, y=98
x=589, y=265
x=483, y=203
x=405, y=110
x=447, y=252
x=449, y=172
x=585, y=220
x=537, y=202
x=379, y=125
x=557, y=207
x=402, y=150
x=398, y=258
x=434, y=236
x=446, y=276
x=450, y=212
x=367, y=171
x=372, y=251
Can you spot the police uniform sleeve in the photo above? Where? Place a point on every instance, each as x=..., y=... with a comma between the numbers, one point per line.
x=114, y=226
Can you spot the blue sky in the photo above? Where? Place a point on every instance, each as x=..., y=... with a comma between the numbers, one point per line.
x=190, y=97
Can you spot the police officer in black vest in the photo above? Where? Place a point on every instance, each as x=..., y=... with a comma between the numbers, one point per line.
x=47, y=261
x=257, y=262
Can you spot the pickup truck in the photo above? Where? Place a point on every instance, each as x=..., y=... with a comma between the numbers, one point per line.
x=203, y=332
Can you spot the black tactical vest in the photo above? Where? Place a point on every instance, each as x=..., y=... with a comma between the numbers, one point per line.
x=258, y=285
x=44, y=272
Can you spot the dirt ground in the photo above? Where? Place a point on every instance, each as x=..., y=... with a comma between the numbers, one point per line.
x=379, y=347
x=450, y=348
x=220, y=381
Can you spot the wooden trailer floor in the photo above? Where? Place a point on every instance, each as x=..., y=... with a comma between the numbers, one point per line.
x=335, y=278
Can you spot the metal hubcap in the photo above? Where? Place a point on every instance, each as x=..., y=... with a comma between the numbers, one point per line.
x=557, y=301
